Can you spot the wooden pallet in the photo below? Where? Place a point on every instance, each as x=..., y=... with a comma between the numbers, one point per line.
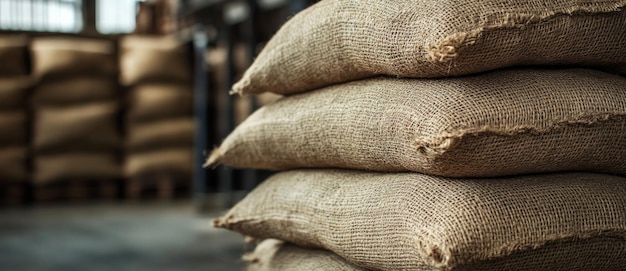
x=163, y=187
x=73, y=190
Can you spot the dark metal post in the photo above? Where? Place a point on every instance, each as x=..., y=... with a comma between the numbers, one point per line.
x=249, y=176
x=89, y=17
x=201, y=101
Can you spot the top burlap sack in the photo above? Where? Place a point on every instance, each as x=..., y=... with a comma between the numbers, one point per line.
x=493, y=124
x=272, y=254
x=146, y=58
x=341, y=40
x=13, y=55
x=63, y=56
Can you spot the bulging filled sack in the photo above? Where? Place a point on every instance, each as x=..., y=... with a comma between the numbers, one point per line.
x=166, y=133
x=13, y=55
x=77, y=90
x=342, y=40
x=13, y=128
x=493, y=124
x=72, y=166
x=92, y=126
x=54, y=56
x=14, y=91
x=150, y=102
x=412, y=221
x=177, y=160
x=146, y=58
x=272, y=255
x=13, y=164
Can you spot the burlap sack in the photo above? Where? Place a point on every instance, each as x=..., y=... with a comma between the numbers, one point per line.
x=75, y=90
x=93, y=126
x=13, y=92
x=273, y=255
x=13, y=128
x=72, y=166
x=149, y=102
x=243, y=105
x=13, y=164
x=13, y=55
x=411, y=221
x=146, y=58
x=166, y=133
x=338, y=40
x=54, y=56
x=494, y=124
x=171, y=160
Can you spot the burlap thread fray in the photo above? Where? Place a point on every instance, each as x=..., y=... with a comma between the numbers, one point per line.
x=214, y=158
x=450, y=139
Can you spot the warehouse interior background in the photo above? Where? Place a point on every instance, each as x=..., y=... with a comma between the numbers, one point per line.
x=107, y=110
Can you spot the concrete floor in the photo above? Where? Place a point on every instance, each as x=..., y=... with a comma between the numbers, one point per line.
x=155, y=236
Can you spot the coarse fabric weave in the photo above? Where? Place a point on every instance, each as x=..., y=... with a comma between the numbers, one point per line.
x=13, y=164
x=149, y=58
x=13, y=128
x=72, y=166
x=160, y=134
x=75, y=90
x=149, y=102
x=412, y=221
x=493, y=124
x=275, y=255
x=13, y=92
x=86, y=127
x=13, y=55
x=63, y=56
x=341, y=40
x=165, y=161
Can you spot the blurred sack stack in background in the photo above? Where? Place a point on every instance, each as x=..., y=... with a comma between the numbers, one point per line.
x=76, y=136
x=14, y=87
x=159, y=123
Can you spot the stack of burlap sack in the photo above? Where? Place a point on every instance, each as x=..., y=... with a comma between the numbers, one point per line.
x=501, y=152
x=14, y=90
x=76, y=131
x=159, y=117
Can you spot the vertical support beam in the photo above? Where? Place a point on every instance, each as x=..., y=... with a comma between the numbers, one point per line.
x=250, y=176
x=201, y=100
x=226, y=116
x=89, y=17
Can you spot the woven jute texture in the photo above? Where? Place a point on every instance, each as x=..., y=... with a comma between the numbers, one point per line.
x=157, y=101
x=274, y=255
x=54, y=56
x=412, y=221
x=170, y=160
x=13, y=92
x=75, y=90
x=145, y=58
x=340, y=40
x=160, y=134
x=91, y=166
x=13, y=128
x=13, y=54
x=493, y=124
x=13, y=164
x=93, y=126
